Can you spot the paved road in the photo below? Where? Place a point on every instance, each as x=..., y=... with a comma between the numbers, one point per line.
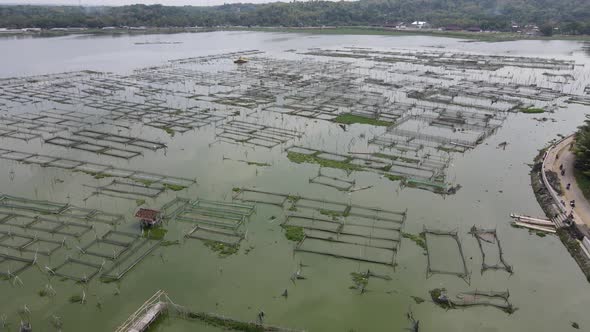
x=561, y=155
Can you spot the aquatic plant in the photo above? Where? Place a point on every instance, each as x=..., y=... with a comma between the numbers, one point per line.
x=294, y=233
x=360, y=280
x=169, y=131
x=532, y=110
x=352, y=119
x=256, y=163
x=419, y=239
x=225, y=323
x=76, y=299
x=417, y=299
x=174, y=187
x=222, y=249
x=392, y=177
x=332, y=213
x=439, y=297
x=156, y=233
x=300, y=158
x=169, y=243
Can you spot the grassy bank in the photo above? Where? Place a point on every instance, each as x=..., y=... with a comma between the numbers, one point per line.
x=351, y=30
x=583, y=182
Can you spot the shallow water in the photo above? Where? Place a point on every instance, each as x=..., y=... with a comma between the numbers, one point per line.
x=547, y=287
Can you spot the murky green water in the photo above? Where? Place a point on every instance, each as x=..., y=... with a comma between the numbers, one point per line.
x=547, y=285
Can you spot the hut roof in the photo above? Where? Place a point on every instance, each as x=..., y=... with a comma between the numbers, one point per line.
x=147, y=214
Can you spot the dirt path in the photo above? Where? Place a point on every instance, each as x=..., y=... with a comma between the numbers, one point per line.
x=561, y=155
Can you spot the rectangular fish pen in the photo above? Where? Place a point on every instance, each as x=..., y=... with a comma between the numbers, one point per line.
x=215, y=221
x=437, y=254
x=487, y=240
x=43, y=223
x=29, y=243
x=95, y=169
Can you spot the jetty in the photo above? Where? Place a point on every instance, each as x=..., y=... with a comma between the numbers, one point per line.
x=537, y=224
x=160, y=303
x=143, y=317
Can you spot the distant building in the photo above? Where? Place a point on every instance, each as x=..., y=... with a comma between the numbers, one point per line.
x=5, y=30
x=148, y=217
x=420, y=25
x=395, y=25
x=531, y=30
x=452, y=27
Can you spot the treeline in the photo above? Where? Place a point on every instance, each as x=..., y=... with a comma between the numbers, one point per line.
x=571, y=16
x=582, y=150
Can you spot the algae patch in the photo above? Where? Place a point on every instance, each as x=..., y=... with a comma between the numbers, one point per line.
x=155, y=233
x=392, y=177
x=417, y=299
x=532, y=110
x=360, y=280
x=76, y=299
x=439, y=297
x=226, y=323
x=174, y=187
x=419, y=239
x=222, y=249
x=352, y=119
x=169, y=131
x=294, y=233
x=300, y=158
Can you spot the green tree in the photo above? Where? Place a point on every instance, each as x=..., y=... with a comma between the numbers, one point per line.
x=582, y=147
x=546, y=30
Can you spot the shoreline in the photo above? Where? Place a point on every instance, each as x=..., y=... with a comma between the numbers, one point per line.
x=382, y=31
x=569, y=235
x=343, y=30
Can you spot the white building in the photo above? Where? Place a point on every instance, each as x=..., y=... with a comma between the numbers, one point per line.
x=420, y=25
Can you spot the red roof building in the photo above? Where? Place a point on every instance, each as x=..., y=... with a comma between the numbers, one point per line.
x=148, y=217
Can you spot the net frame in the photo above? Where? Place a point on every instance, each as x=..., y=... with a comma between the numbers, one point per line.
x=502, y=265
x=464, y=274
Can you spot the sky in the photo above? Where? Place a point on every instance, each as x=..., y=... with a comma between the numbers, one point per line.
x=130, y=2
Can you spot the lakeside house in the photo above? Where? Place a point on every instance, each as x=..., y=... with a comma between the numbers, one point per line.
x=5, y=30
x=420, y=25
x=452, y=27
x=396, y=25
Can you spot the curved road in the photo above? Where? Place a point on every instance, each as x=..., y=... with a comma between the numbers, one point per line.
x=561, y=155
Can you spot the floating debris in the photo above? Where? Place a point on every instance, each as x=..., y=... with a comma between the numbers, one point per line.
x=472, y=298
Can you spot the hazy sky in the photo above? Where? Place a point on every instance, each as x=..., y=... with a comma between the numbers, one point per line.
x=130, y=2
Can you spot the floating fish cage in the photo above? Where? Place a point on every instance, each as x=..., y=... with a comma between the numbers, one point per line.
x=488, y=241
x=459, y=268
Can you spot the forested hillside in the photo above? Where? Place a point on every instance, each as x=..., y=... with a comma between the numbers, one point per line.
x=572, y=16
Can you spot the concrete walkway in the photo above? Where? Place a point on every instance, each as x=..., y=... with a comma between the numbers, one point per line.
x=561, y=155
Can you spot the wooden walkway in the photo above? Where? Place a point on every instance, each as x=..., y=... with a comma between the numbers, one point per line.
x=148, y=318
x=537, y=224
x=141, y=319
